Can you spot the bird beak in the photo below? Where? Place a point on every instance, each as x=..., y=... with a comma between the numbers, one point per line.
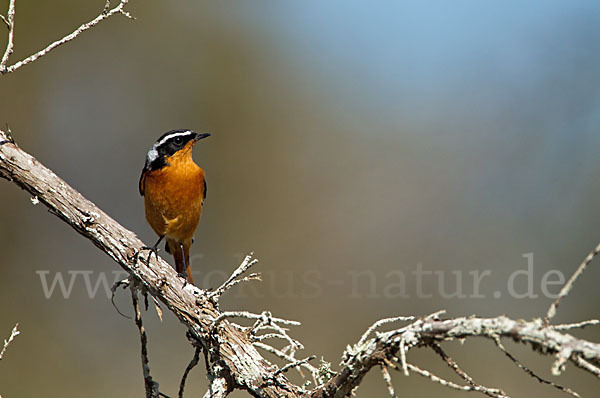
x=200, y=136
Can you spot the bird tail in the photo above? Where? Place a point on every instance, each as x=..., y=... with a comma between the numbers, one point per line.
x=181, y=254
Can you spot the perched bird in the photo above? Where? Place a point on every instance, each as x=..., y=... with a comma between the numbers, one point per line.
x=174, y=188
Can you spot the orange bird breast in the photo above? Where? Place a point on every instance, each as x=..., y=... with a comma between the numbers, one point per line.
x=174, y=196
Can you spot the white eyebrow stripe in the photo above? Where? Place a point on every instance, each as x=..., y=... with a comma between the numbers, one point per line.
x=165, y=139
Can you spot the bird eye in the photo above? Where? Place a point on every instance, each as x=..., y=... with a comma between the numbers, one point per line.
x=178, y=140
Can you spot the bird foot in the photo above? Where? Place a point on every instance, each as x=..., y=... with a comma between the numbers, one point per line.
x=152, y=249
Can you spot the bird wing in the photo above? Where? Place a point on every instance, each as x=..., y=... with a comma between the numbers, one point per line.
x=142, y=180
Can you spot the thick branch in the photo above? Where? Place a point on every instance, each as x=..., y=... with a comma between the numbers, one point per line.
x=228, y=346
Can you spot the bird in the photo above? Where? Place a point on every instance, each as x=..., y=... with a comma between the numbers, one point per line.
x=174, y=189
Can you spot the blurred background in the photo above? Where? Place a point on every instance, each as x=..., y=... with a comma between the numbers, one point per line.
x=376, y=156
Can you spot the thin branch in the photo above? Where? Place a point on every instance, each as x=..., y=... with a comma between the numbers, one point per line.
x=190, y=366
x=125, y=284
x=150, y=385
x=294, y=364
x=569, y=285
x=388, y=381
x=106, y=13
x=444, y=382
x=585, y=365
x=10, y=23
x=492, y=392
x=380, y=323
x=231, y=281
x=266, y=316
x=531, y=372
x=14, y=333
x=287, y=357
x=569, y=326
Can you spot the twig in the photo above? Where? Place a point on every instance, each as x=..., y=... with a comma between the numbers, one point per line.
x=444, y=382
x=10, y=23
x=287, y=357
x=229, y=283
x=294, y=364
x=14, y=333
x=107, y=13
x=382, y=322
x=150, y=385
x=492, y=392
x=569, y=285
x=267, y=322
x=583, y=364
x=190, y=366
x=402, y=350
x=125, y=283
x=569, y=326
x=7, y=133
x=388, y=381
x=249, y=315
x=531, y=372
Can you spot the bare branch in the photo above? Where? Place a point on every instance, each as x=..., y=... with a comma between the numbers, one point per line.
x=190, y=366
x=14, y=333
x=531, y=372
x=10, y=23
x=569, y=285
x=231, y=281
x=569, y=326
x=265, y=316
x=585, y=365
x=294, y=364
x=380, y=323
x=388, y=381
x=287, y=357
x=358, y=360
x=150, y=385
x=446, y=383
x=492, y=392
x=106, y=13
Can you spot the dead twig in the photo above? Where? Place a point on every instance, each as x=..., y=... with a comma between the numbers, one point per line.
x=388, y=381
x=492, y=392
x=150, y=385
x=232, y=280
x=531, y=372
x=9, y=21
x=190, y=366
x=569, y=285
x=14, y=333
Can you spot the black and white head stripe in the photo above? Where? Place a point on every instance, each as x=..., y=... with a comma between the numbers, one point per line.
x=169, y=143
x=184, y=135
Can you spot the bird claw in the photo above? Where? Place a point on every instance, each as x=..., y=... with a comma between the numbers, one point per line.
x=152, y=249
x=184, y=277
